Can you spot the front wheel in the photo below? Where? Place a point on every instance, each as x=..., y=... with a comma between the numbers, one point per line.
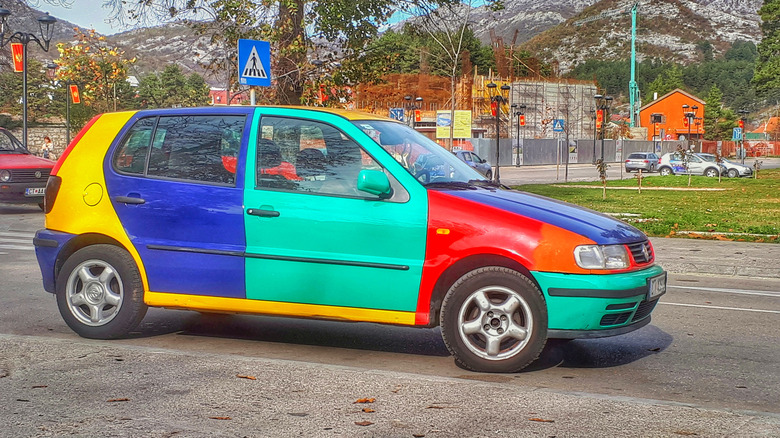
x=711, y=172
x=494, y=319
x=99, y=292
x=733, y=173
x=665, y=171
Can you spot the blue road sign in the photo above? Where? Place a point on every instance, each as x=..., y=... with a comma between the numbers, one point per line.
x=737, y=134
x=557, y=125
x=397, y=114
x=254, y=63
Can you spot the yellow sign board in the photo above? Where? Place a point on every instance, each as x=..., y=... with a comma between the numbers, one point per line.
x=460, y=129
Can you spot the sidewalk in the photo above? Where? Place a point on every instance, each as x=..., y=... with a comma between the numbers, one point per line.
x=692, y=256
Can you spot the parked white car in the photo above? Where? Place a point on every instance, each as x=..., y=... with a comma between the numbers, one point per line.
x=672, y=163
x=733, y=169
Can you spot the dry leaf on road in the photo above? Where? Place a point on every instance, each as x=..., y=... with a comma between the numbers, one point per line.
x=241, y=376
x=364, y=423
x=541, y=420
x=364, y=400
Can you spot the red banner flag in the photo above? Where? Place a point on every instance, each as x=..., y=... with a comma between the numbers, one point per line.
x=522, y=119
x=17, y=52
x=74, y=93
x=599, y=118
x=493, y=108
x=417, y=116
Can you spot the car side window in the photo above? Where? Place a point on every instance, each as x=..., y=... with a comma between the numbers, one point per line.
x=309, y=156
x=131, y=155
x=196, y=148
x=476, y=158
x=467, y=156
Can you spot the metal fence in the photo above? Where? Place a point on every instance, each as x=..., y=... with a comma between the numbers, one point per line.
x=541, y=151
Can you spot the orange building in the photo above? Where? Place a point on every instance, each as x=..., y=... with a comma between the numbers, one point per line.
x=666, y=119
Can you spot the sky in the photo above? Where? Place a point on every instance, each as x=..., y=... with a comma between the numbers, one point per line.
x=87, y=14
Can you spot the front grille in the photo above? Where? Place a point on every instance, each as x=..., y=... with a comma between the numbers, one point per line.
x=28, y=175
x=644, y=309
x=615, y=318
x=642, y=252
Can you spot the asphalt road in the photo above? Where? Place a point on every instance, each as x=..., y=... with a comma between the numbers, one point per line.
x=512, y=176
x=705, y=366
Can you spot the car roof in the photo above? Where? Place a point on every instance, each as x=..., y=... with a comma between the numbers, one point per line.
x=347, y=114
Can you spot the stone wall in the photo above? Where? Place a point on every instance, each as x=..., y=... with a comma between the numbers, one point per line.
x=35, y=135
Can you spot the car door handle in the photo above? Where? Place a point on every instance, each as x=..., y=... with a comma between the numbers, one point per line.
x=129, y=200
x=262, y=212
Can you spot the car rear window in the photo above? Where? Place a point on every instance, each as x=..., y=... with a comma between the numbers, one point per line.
x=194, y=148
x=642, y=156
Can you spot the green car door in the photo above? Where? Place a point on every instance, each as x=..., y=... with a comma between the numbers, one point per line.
x=313, y=238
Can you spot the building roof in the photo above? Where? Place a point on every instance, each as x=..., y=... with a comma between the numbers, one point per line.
x=676, y=90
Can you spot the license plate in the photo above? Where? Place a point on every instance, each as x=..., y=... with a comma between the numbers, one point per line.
x=656, y=286
x=34, y=191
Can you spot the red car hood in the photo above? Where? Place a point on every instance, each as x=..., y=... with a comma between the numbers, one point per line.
x=24, y=161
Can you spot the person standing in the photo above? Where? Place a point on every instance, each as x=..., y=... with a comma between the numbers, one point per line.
x=47, y=151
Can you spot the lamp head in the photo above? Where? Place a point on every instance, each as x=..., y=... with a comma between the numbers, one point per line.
x=491, y=85
x=608, y=100
x=418, y=99
x=407, y=98
x=4, y=13
x=46, y=24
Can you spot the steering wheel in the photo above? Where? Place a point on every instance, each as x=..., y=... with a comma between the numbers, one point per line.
x=423, y=173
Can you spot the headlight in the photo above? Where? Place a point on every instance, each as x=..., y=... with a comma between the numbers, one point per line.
x=5, y=175
x=601, y=256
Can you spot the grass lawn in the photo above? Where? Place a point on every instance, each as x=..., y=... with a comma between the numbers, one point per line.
x=746, y=205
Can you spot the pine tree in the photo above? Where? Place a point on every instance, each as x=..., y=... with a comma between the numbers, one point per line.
x=712, y=114
x=767, y=73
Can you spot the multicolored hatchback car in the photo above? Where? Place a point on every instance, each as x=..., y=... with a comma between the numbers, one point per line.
x=328, y=214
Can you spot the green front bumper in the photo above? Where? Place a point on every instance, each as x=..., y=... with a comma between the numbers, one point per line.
x=595, y=305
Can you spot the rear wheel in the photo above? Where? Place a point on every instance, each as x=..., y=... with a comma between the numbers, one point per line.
x=99, y=292
x=652, y=168
x=711, y=172
x=733, y=173
x=494, y=319
x=665, y=171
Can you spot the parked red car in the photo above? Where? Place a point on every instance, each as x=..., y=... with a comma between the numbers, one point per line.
x=23, y=176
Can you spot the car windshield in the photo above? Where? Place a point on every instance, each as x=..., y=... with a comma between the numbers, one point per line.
x=428, y=162
x=10, y=145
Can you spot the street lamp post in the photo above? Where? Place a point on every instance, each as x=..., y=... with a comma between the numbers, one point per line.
x=413, y=107
x=46, y=26
x=743, y=119
x=603, y=103
x=690, y=115
x=520, y=112
x=593, y=117
x=497, y=99
x=53, y=69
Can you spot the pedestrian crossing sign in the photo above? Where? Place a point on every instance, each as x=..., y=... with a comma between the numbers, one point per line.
x=254, y=63
x=557, y=125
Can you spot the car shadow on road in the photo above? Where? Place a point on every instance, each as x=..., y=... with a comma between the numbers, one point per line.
x=352, y=335
x=603, y=352
x=19, y=209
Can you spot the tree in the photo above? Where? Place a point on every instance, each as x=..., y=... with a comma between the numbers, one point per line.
x=171, y=88
x=295, y=28
x=667, y=81
x=767, y=70
x=44, y=98
x=712, y=114
x=100, y=69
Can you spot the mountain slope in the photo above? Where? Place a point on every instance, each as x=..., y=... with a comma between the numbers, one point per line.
x=672, y=30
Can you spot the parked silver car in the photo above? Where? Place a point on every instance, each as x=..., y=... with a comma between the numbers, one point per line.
x=733, y=169
x=473, y=160
x=647, y=161
x=672, y=162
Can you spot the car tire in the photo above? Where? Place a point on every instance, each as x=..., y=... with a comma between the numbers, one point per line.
x=489, y=174
x=652, y=168
x=711, y=172
x=664, y=171
x=42, y=206
x=494, y=319
x=100, y=293
x=733, y=173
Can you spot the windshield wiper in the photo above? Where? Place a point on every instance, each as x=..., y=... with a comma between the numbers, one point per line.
x=486, y=183
x=458, y=185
